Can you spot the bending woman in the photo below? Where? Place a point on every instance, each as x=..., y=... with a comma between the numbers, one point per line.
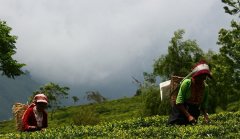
x=192, y=97
x=35, y=117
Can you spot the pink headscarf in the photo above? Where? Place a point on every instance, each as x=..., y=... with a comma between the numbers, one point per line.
x=40, y=98
x=201, y=68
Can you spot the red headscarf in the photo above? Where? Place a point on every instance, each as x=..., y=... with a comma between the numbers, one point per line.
x=201, y=68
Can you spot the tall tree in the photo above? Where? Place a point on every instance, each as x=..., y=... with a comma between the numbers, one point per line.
x=149, y=79
x=8, y=65
x=226, y=65
x=55, y=94
x=232, y=7
x=95, y=96
x=75, y=99
x=182, y=54
x=230, y=51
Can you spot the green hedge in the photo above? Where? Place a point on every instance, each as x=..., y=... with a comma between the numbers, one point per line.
x=223, y=125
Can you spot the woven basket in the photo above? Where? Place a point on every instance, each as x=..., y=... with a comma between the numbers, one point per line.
x=174, y=88
x=18, y=110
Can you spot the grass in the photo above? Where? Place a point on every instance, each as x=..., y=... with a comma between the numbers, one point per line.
x=121, y=113
x=224, y=125
x=119, y=109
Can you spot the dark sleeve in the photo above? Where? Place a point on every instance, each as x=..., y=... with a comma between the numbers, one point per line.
x=45, y=120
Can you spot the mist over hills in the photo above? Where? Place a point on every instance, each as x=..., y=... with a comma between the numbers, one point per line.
x=15, y=90
x=20, y=88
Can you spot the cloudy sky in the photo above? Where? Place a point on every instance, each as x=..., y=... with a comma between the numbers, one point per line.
x=100, y=44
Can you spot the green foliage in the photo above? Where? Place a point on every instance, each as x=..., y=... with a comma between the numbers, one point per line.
x=152, y=102
x=182, y=55
x=95, y=96
x=7, y=127
x=233, y=7
x=230, y=51
x=122, y=121
x=233, y=107
x=103, y=109
x=180, y=58
x=120, y=109
x=8, y=65
x=226, y=64
x=106, y=111
x=230, y=42
x=86, y=116
x=164, y=107
x=75, y=99
x=138, y=92
x=223, y=125
x=222, y=83
x=149, y=79
x=213, y=98
x=114, y=110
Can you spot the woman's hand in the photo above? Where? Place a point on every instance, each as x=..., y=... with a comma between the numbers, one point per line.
x=206, y=118
x=33, y=128
x=191, y=119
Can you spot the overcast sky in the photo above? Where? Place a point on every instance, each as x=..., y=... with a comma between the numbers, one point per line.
x=100, y=44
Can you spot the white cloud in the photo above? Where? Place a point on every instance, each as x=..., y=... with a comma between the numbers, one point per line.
x=94, y=41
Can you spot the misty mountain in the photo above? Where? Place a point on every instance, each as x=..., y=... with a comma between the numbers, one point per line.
x=20, y=88
x=15, y=90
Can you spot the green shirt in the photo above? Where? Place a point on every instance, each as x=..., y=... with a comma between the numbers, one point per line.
x=184, y=93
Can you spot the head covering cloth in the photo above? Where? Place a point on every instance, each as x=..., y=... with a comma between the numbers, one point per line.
x=200, y=68
x=40, y=98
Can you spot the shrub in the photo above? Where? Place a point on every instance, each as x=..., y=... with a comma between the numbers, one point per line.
x=86, y=116
x=153, y=104
x=102, y=110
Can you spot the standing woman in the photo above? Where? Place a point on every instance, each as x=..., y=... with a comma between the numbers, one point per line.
x=35, y=117
x=192, y=97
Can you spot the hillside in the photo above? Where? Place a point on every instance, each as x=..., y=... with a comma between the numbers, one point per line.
x=14, y=90
x=122, y=119
x=120, y=109
x=224, y=125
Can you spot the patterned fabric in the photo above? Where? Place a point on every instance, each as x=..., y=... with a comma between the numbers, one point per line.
x=29, y=119
x=38, y=116
x=188, y=94
x=197, y=95
x=201, y=68
x=193, y=99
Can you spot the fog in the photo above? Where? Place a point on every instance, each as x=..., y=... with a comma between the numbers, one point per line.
x=99, y=45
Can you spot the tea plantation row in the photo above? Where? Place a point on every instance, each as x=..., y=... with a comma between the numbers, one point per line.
x=223, y=125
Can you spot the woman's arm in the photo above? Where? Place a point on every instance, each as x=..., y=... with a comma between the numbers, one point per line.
x=186, y=113
x=182, y=96
x=27, y=121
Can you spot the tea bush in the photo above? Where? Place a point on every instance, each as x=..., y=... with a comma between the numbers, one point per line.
x=223, y=125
